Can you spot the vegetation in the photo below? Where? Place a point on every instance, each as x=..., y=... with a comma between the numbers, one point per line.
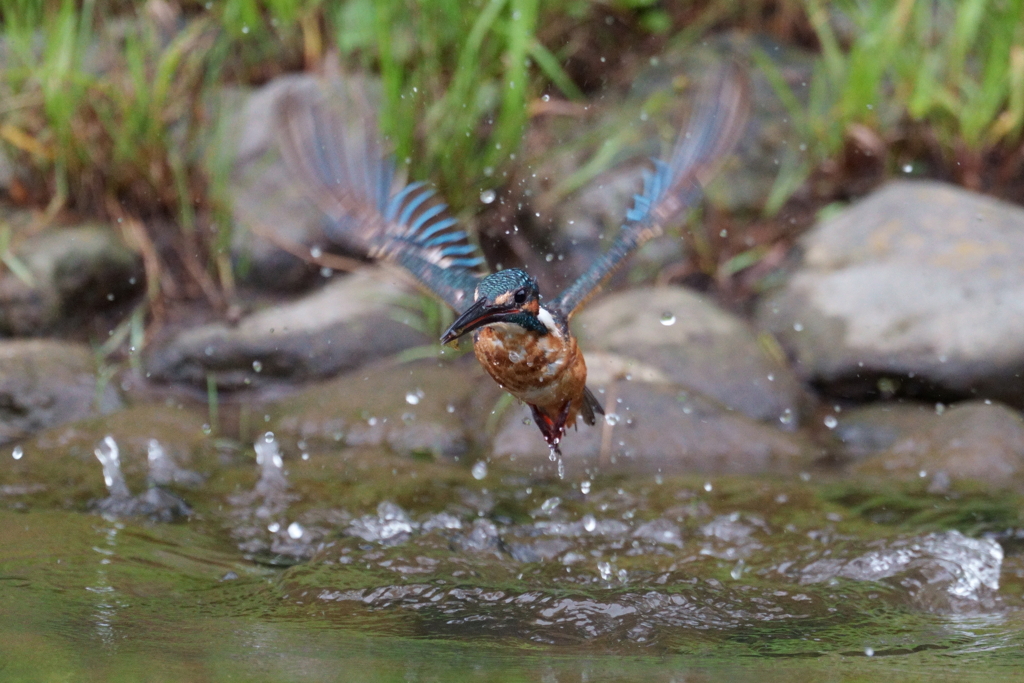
x=107, y=104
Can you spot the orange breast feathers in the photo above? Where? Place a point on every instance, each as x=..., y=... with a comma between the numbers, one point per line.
x=546, y=371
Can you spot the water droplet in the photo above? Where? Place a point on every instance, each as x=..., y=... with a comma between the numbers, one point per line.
x=316, y=252
x=269, y=437
x=667, y=319
x=17, y=453
x=479, y=470
x=908, y=168
x=561, y=468
x=546, y=98
x=869, y=652
x=487, y=196
x=550, y=504
x=708, y=486
x=207, y=429
x=273, y=527
x=549, y=258
x=737, y=571
x=589, y=523
x=305, y=456
x=257, y=366
x=787, y=416
x=612, y=419
x=798, y=327
x=295, y=530
x=515, y=356
x=326, y=272
x=940, y=408
x=831, y=421
x=413, y=397
x=584, y=487
x=723, y=233
x=605, y=570
x=245, y=29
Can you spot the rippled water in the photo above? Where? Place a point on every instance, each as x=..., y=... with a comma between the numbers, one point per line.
x=359, y=566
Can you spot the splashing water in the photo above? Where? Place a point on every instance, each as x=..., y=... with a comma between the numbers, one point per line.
x=268, y=457
x=109, y=456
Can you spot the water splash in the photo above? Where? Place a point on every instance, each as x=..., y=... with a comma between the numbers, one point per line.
x=108, y=454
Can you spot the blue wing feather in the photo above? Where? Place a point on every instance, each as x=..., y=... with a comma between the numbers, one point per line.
x=336, y=158
x=673, y=187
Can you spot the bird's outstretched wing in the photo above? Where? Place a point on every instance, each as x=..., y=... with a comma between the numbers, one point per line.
x=717, y=123
x=335, y=153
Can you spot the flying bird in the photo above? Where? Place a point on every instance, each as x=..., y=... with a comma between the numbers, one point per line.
x=521, y=338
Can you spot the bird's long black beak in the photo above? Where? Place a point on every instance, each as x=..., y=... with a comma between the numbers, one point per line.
x=475, y=316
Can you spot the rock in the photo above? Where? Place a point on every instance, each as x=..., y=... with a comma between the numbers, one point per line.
x=697, y=345
x=973, y=440
x=46, y=383
x=269, y=211
x=413, y=408
x=867, y=430
x=658, y=428
x=917, y=290
x=69, y=275
x=345, y=324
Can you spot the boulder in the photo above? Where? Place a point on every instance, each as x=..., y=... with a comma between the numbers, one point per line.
x=697, y=345
x=45, y=383
x=415, y=408
x=350, y=321
x=917, y=290
x=66, y=276
x=973, y=440
x=656, y=427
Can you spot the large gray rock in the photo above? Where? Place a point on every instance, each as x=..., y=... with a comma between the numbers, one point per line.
x=697, y=345
x=972, y=440
x=348, y=322
x=273, y=219
x=47, y=383
x=416, y=408
x=920, y=285
x=68, y=274
x=657, y=427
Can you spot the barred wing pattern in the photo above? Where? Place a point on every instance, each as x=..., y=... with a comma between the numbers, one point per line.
x=673, y=187
x=339, y=163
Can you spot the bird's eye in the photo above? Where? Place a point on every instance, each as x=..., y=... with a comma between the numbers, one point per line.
x=520, y=296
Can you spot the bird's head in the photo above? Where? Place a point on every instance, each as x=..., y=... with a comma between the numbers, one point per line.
x=508, y=296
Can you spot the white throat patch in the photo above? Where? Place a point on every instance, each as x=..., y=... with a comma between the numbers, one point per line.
x=544, y=315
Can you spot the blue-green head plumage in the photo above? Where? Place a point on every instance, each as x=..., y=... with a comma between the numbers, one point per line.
x=508, y=296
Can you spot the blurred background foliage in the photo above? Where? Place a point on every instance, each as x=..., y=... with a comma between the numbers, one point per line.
x=107, y=102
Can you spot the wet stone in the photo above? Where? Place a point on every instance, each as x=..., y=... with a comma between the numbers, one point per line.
x=267, y=211
x=974, y=440
x=696, y=345
x=656, y=428
x=863, y=431
x=70, y=273
x=46, y=383
x=416, y=408
x=916, y=290
x=273, y=219
x=343, y=325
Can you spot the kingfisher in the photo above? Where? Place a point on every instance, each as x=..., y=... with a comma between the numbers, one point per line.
x=521, y=338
